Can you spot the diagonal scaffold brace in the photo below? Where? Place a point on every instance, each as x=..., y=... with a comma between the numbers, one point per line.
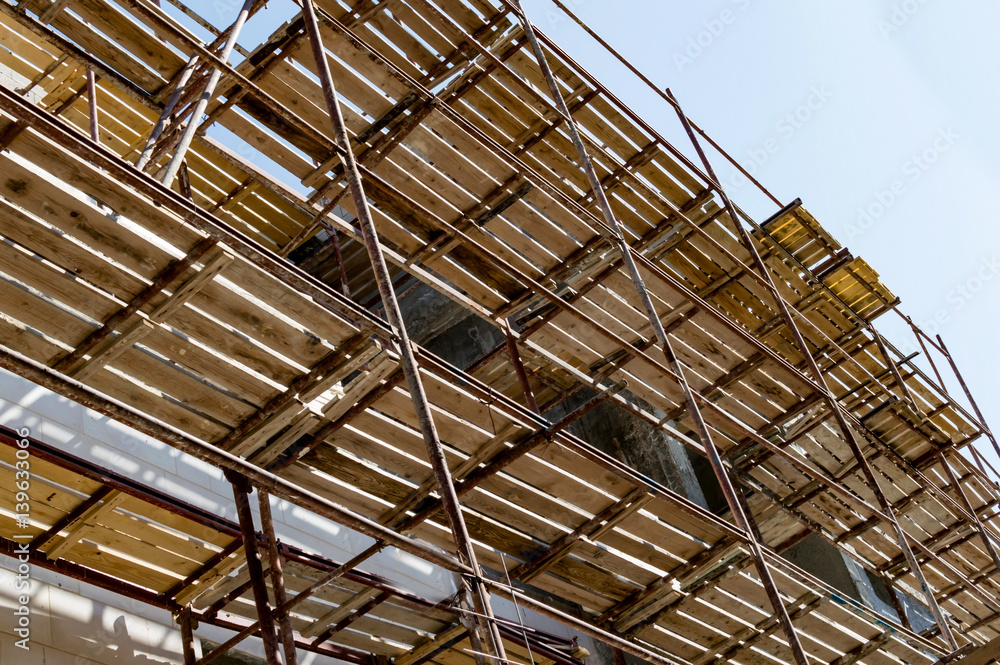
x=835, y=407
x=463, y=542
x=744, y=520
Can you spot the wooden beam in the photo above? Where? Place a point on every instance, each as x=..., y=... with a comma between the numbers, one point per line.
x=77, y=528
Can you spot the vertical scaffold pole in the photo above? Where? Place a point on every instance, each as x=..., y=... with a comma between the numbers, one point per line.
x=92, y=103
x=281, y=615
x=265, y=616
x=435, y=451
x=835, y=407
x=743, y=520
x=187, y=624
x=206, y=96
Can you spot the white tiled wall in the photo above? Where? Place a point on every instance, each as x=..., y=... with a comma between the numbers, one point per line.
x=86, y=617
x=76, y=624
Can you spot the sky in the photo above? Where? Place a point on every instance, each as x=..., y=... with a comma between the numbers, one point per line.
x=880, y=116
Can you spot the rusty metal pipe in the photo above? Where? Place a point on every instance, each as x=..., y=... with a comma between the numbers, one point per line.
x=522, y=375
x=161, y=123
x=277, y=579
x=846, y=432
x=968, y=394
x=186, y=622
x=743, y=520
x=411, y=370
x=897, y=377
x=957, y=484
x=92, y=104
x=265, y=615
x=206, y=96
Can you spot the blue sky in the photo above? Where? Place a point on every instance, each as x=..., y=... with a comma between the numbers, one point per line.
x=881, y=116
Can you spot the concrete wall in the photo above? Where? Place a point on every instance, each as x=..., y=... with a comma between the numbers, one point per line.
x=634, y=441
x=86, y=617
x=448, y=330
x=817, y=556
x=73, y=623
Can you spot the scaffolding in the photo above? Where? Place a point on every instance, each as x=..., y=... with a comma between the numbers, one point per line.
x=250, y=317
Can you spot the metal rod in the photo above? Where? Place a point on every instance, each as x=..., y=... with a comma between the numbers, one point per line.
x=265, y=616
x=161, y=122
x=892, y=366
x=978, y=459
x=917, y=330
x=92, y=103
x=179, y=84
x=957, y=484
x=968, y=394
x=522, y=376
x=277, y=579
x=517, y=610
x=743, y=520
x=206, y=96
x=186, y=622
x=432, y=442
x=846, y=432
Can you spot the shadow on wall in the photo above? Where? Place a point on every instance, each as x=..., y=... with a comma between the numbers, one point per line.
x=68, y=628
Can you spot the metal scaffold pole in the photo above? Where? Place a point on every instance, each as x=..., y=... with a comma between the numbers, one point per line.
x=743, y=519
x=435, y=451
x=835, y=407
